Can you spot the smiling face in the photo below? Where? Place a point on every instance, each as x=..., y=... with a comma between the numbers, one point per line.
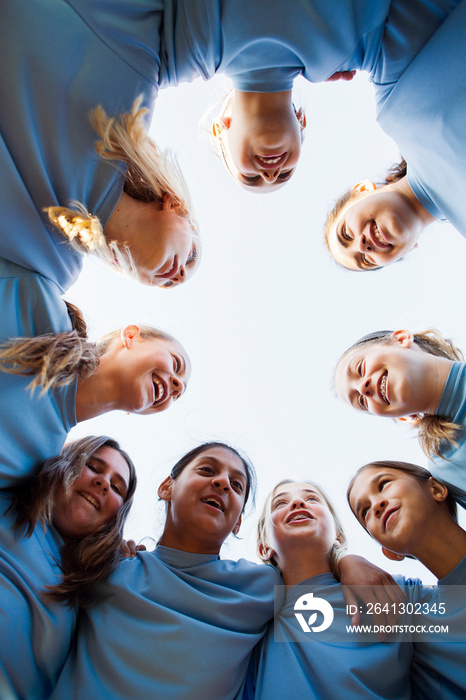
x=299, y=518
x=205, y=501
x=163, y=245
x=260, y=150
x=385, y=379
x=95, y=496
x=151, y=373
x=394, y=507
x=375, y=228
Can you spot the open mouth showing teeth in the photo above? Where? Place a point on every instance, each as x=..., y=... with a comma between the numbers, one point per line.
x=158, y=388
x=299, y=516
x=269, y=160
x=378, y=236
x=383, y=387
x=213, y=502
x=90, y=498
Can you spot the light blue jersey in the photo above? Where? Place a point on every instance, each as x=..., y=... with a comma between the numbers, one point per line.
x=425, y=114
x=329, y=663
x=32, y=428
x=36, y=634
x=66, y=57
x=172, y=625
x=439, y=666
x=452, y=405
x=61, y=64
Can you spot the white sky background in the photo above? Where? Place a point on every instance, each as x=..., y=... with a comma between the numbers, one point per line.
x=268, y=313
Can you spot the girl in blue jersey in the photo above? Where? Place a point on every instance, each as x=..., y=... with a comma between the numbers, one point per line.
x=138, y=369
x=417, y=377
x=179, y=622
x=182, y=599
x=300, y=533
x=60, y=532
x=410, y=513
x=371, y=225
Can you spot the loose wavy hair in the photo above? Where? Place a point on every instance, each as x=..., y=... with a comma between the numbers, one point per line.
x=150, y=174
x=85, y=560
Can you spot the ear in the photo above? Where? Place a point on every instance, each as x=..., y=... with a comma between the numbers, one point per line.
x=265, y=553
x=128, y=334
x=165, y=489
x=238, y=525
x=438, y=490
x=364, y=186
x=301, y=117
x=222, y=124
x=404, y=338
x=393, y=556
x=413, y=419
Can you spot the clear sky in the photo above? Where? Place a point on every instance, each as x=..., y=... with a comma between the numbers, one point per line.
x=268, y=313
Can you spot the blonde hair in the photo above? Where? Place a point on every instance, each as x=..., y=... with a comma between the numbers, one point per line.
x=56, y=359
x=85, y=560
x=150, y=174
x=433, y=430
x=337, y=551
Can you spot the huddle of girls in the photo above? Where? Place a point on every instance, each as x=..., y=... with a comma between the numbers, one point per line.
x=124, y=200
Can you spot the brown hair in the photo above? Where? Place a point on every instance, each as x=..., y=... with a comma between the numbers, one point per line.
x=85, y=560
x=433, y=430
x=419, y=473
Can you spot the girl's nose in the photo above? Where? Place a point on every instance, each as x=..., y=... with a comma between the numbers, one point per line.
x=102, y=482
x=180, y=275
x=379, y=507
x=177, y=387
x=365, y=387
x=270, y=175
x=221, y=482
x=297, y=503
x=364, y=246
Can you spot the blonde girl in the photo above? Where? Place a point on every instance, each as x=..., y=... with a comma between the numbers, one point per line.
x=51, y=382
x=300, y=532
x=410, y=513
x=418, y=377
x=60, y=532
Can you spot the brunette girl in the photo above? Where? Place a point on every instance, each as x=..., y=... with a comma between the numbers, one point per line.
x=410, y=513
x=60, y=533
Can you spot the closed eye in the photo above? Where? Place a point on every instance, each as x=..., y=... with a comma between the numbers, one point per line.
x=250, y=180
x=344, y=233
x=176, y=364
x=285, y=176
x=362, y=402
x=367, y=263
x=363, y=514
x=116, y=487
